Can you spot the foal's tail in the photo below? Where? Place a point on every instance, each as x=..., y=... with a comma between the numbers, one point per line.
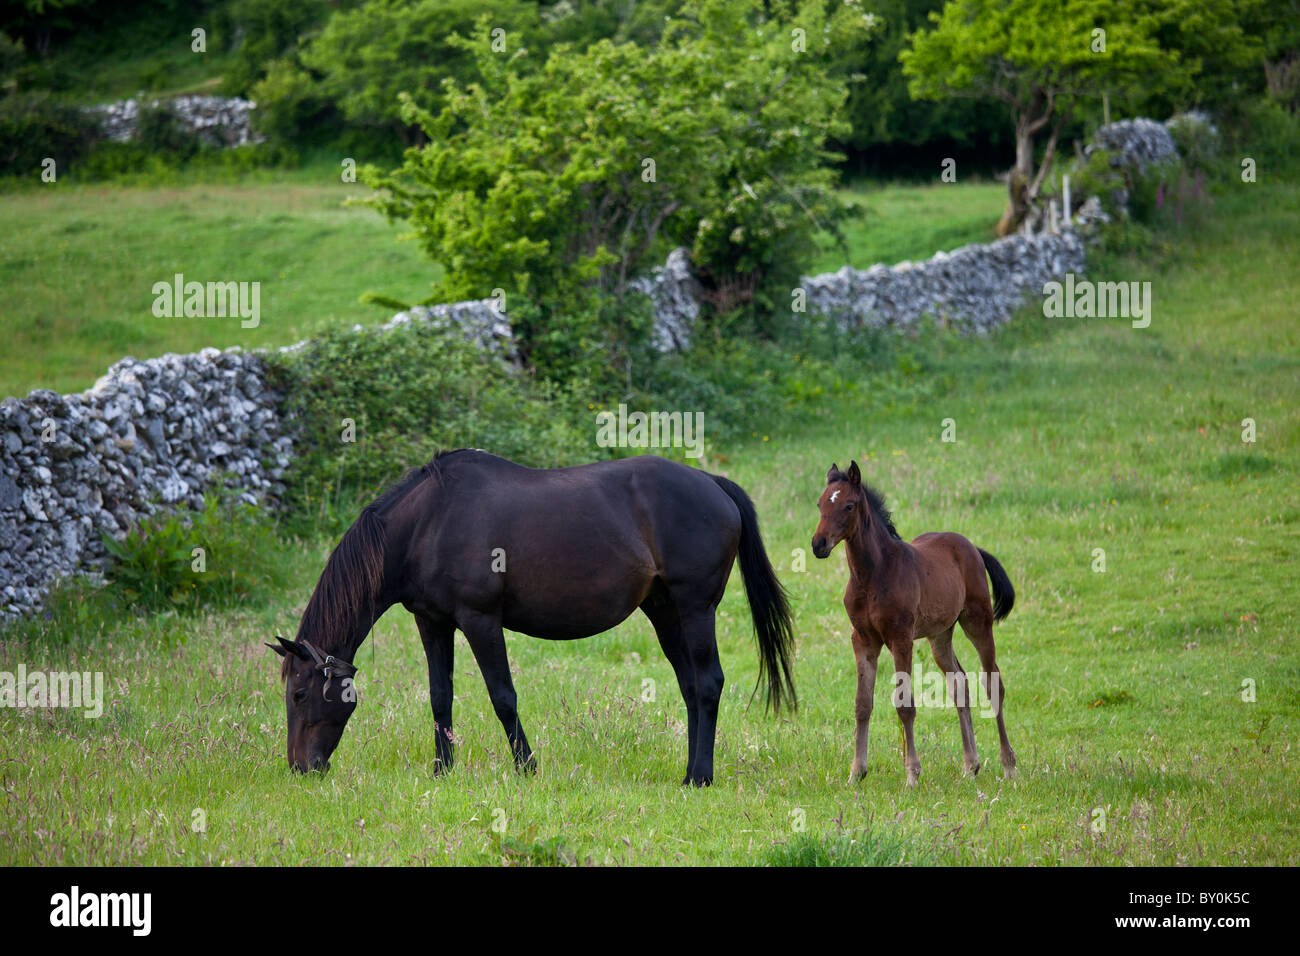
x=767, y=604
x=1004, y=595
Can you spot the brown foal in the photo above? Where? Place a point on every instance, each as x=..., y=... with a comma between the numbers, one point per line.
x=899, y=593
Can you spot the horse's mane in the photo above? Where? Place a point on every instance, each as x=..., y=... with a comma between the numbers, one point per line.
x=877, y=502
x=354, y=572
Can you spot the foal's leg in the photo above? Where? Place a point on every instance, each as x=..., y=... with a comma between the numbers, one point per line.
x=439, y=648
x=489, y=646
x=702, y=651
x=977, y=622
x=662, y=613
x=905, y=703
x=946, y=658
x=866, y=650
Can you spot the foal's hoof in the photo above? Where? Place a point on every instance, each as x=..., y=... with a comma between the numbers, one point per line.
x=971, y=769
x=855, y=776
x=913, y=776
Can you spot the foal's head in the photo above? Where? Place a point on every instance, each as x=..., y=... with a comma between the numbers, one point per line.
x=319, y=695
x=843, y=508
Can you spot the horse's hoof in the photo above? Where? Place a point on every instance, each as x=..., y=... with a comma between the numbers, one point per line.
x=697, y=781
x=527, y=766
x=971, y=770
x=913, y=776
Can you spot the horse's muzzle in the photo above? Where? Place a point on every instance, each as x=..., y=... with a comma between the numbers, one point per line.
x=820, y=547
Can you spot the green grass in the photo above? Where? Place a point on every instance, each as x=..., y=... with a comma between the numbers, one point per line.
x=900, y=223
x=78, y=264
x=1124, y=687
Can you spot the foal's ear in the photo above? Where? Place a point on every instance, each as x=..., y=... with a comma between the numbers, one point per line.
x=833, y=474
x=855, y=476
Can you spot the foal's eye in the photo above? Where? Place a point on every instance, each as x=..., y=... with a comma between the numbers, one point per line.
x=849, y=506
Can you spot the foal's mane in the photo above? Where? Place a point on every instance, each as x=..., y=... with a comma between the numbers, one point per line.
x=354, y=573
x=877, y=502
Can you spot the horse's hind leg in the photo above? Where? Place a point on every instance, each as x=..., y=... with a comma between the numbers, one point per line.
x=946, y=658
x=662, y=612
x=489, y=646
x=439, y=648
x=701, y=645
x=977, y=622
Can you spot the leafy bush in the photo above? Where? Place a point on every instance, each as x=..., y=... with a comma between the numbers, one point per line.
x=34, y=126
x=560, y=184
x=411, y=392
x=156, y=566
x=159, y=130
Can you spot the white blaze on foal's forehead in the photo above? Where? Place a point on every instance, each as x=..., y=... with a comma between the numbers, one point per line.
x=834, y=495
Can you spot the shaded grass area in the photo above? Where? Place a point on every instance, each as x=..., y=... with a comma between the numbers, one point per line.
x=1153, y=706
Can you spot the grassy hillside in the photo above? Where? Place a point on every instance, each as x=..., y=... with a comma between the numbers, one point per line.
x=1124, y=688
x=79, y=263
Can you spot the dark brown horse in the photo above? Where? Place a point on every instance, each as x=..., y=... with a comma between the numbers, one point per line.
x=899, y=593
x=477, y=543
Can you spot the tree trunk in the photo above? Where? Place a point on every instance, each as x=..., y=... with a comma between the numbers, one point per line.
x=1018, y=180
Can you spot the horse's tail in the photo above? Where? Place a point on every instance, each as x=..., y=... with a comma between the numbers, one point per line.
x=767, y=604
x=1004, y=595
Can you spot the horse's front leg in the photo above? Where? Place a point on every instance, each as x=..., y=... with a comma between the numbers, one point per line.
x=439, y=649
x=488, y=643
x=866, y=649
x=904, y=700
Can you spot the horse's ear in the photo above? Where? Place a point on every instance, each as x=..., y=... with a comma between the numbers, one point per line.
x=288, y=647
x=855, y=476
x=833, y=474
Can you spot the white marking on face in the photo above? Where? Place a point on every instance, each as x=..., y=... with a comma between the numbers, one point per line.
x=834, y=495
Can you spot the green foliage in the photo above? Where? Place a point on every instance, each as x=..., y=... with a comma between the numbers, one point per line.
x=34, y=126
x=412, y=392
x=365, y=57
x=153, y=566
x=1199, y=143
x=1269, y=133
x=268, y=29
x=560, y=184
x=159, y=130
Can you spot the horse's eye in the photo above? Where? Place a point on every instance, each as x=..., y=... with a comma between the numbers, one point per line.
x=849, y=506
x=300, y=695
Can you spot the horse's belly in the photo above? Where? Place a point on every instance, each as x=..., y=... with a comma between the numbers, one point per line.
x=567, y=615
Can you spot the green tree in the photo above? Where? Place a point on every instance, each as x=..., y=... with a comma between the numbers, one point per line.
x=564, y=181
x=1041, y=58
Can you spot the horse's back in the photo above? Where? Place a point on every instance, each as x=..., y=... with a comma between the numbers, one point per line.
x=581, y=546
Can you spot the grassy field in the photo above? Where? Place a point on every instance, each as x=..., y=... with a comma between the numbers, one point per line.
x=1125, y=688
x=914, y=222
x=79, y=264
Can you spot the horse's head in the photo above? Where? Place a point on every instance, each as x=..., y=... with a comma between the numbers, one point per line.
x=843, y=509
x=319, y=697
